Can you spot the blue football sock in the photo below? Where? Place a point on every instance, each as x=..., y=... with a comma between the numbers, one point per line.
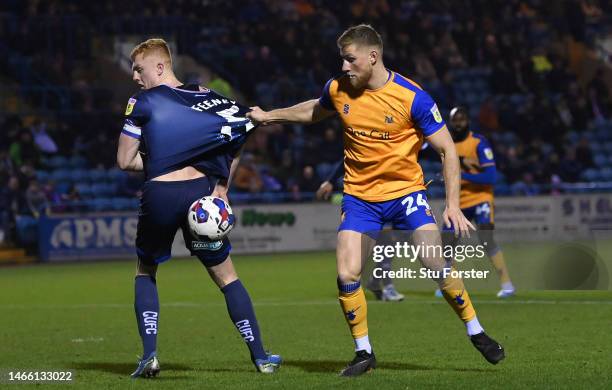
x=146, y=305
x=242, y=314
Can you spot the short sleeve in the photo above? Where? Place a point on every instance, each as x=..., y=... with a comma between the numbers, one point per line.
x=425, y=114
x=485, y=153
x=325, y=99
x=136, y=116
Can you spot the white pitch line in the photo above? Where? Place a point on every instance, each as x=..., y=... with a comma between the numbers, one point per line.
x=306, y=303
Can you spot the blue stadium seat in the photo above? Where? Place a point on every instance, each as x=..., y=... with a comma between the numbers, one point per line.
x=596, y=147
x=63, y=187
x=84, y=190
x=502, y=189
x=89, y=204
x=603, y=135
x=123, y=204
x=573, y=136
x=590, y=175
x=600, y=160
x=97, y=175
x=459, y=73
x=58, y=162
x=42, y=176
x=102, y=204
x=103, y=189
x=115, y=174
x=61, y=175
x=77, y=162
x=80, y=175
x=606, y=174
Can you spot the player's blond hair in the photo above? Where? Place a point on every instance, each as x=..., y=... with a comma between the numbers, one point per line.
x=362, y=34
x=157, y=45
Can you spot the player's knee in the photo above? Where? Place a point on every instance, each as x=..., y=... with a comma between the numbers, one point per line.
x=223, y=273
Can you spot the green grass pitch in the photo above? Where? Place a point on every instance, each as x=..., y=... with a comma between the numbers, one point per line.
x=80, y=317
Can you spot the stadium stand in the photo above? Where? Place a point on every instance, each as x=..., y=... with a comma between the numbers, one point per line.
x=537, y=83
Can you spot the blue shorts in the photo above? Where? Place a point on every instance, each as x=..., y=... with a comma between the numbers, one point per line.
x=163, y=210
x=480, y=214
x=405, y=213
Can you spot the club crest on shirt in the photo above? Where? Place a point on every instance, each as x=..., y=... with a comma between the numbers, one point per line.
x=388, y=118
x=436, y=113
x=130, y=106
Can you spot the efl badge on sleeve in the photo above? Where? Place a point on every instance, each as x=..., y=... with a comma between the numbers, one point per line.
x=130, y=106
x=436, y=113
x=488, y=153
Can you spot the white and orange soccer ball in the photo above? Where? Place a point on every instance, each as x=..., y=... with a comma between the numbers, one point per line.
x=210, y=218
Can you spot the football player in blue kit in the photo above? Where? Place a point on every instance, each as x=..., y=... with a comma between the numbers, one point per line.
x=187, y=140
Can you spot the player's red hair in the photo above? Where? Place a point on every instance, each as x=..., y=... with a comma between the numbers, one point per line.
x=156, y=45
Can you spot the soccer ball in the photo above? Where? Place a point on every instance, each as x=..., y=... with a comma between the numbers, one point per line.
x=210, y=218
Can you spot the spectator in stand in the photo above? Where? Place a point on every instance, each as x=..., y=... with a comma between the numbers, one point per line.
x=599, y=96
x=526, y=187
x=247, y=178
x=569, y=167
x=57, y=201
x=23, y=149
x=329, y=150
x=5, y=212
x=36, y=199
x=584, y=155
x=523, y=47
x=285, y=171
x=307, y=182
x=6, y=165
x=13, y=203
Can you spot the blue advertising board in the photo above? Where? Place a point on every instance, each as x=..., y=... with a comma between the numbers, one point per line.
x=87, y=237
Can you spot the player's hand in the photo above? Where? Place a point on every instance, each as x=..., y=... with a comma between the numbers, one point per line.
x=325, y=190
x=453, y=216
x=257, y=115
x=220, y=191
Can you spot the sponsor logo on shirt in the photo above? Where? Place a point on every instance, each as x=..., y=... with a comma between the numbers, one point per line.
x=436, y=113
x=130, y=106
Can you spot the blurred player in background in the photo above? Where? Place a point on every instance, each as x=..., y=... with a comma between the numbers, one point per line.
x=386, y=118
x=382, y=288
x=190, y=138
x=478, y=174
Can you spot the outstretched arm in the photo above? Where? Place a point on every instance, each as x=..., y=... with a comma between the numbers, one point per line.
x=309, y=111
